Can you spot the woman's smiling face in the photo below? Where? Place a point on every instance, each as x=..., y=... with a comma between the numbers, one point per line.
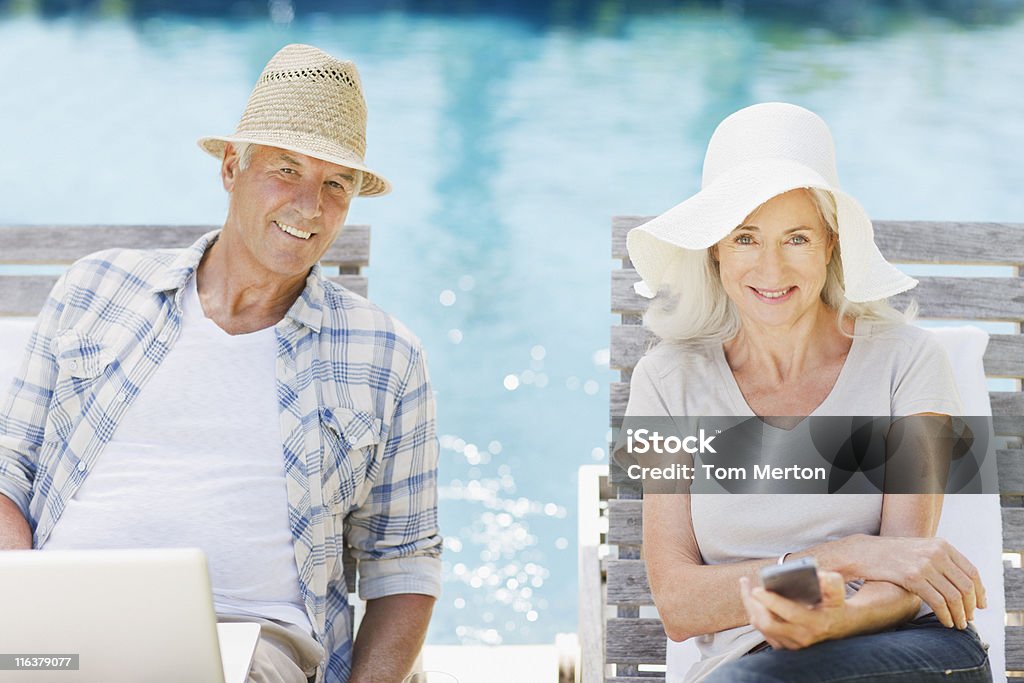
x=773, y=266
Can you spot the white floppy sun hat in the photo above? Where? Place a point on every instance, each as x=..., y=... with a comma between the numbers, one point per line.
x=758, y=153
x=307, y=101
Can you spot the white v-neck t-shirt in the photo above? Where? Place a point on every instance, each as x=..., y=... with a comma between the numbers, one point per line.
x=897, y=371
x=197, y=461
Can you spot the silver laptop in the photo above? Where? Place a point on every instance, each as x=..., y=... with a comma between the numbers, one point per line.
x=106, y=616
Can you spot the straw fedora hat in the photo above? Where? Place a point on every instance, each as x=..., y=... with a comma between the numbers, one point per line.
x=755, y=154
x=309, y=102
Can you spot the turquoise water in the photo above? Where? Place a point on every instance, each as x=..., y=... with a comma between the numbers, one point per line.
x=511, y=141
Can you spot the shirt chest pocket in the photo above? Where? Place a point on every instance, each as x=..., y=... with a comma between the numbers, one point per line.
x=79, y=356
x=82, y=361
x=349, y=439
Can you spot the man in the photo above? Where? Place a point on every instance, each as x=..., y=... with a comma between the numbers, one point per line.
x=228, y=396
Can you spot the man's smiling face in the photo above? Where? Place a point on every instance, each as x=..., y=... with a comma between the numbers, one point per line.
x=286, y=208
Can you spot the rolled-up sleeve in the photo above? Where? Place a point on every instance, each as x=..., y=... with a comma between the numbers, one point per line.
x=24, y=405
x=394, y=535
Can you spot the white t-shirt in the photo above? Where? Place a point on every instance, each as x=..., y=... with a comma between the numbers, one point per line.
x=898, y=371
x=197, y=461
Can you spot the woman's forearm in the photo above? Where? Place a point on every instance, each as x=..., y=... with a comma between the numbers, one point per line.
x=696, y=599
x=878, y=606
x=846, y=556
x=678, y=585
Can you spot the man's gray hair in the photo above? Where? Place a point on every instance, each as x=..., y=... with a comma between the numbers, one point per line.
x=245, y=150
x=692, y=304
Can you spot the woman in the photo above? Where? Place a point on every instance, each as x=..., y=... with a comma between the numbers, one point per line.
x=770, y=296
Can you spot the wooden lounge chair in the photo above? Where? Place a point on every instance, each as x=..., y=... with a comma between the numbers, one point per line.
x=51, y=248
x=621, y=637
x=46, y=246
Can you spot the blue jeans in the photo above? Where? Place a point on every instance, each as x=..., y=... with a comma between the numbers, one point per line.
x=921, y=650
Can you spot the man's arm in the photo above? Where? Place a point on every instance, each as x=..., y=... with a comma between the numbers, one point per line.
x=395, y=538
x=23, y=411
x=390, y=637
x=15, y=533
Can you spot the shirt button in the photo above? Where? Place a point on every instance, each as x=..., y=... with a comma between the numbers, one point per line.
x=81, y=466
x=73, y=365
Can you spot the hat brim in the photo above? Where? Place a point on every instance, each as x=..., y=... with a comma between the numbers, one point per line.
x=374, y=184
x=721, y=206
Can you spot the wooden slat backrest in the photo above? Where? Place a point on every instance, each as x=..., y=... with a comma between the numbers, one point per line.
x=40, y=244
x=60, y=245
x=632, y=641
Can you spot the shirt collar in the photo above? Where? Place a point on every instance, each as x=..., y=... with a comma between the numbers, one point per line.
x=307, y=309
x=179, y=271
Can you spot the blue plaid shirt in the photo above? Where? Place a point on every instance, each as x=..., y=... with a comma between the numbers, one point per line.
x=356, y=408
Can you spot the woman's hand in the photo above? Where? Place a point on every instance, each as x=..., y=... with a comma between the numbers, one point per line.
x=789, y=625
x=932, y=569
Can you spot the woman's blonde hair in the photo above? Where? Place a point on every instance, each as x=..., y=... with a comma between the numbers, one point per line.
x=692, y=305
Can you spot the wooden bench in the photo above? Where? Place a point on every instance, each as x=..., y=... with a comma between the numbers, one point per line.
x=621, y=638
x=47, y=246
x=51, y=248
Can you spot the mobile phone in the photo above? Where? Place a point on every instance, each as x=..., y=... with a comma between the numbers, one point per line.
x=796, y=580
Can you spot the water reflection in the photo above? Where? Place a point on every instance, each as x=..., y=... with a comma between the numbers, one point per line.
x=495, y=571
